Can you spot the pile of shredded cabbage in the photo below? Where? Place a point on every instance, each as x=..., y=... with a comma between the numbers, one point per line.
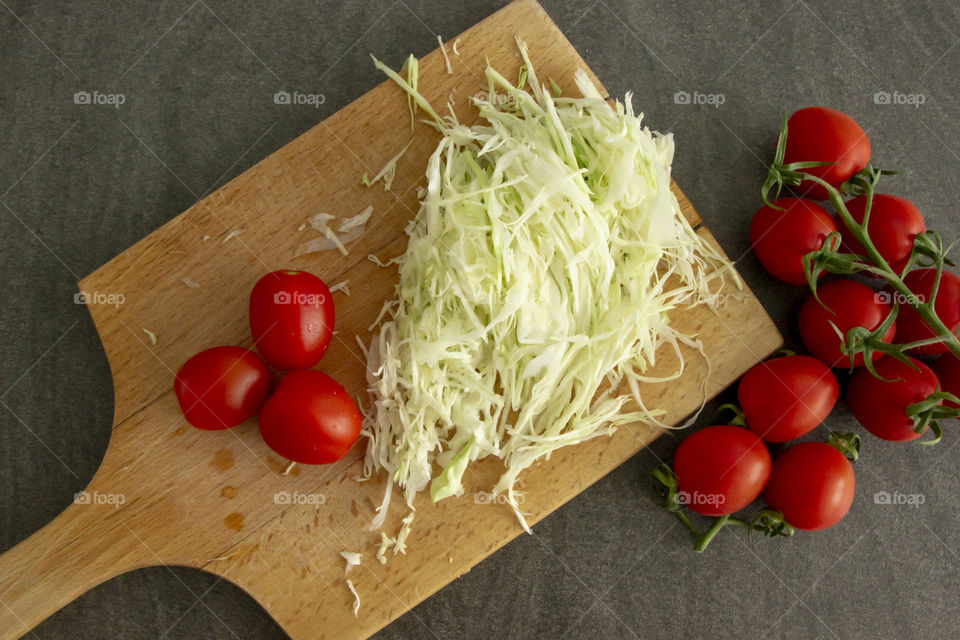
x=541, y=268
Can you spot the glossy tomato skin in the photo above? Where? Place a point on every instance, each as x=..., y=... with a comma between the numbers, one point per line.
x=291, y=319
x=310, y=418
x=221, y=387
x=851, y=304
x=880, y=405
x=780, y=239
x=894, y=221
x=825, y=135
x=786, y=398
x=947, y=370
x=910, y=326
x=721, y=469
x=812, y=485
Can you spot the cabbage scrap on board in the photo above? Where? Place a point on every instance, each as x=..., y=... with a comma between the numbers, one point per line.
x=542, y=265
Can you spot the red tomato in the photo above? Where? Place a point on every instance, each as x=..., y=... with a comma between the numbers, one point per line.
x=880, y=405
x=825, y=135
x=910, y=326
x=291, y=319
x=787, y=397
x=893, y=224
x=721, y=469
x=310, y=418
x=781, y=238
x=811, y=485
x=221, y=387
x=851, y=305
x=947, y=370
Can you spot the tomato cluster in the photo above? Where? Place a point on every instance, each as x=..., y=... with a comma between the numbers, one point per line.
x=844, y=323
x=308, y=417
x=721, y=469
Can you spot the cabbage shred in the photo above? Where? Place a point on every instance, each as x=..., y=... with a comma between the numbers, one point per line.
x=542, y=265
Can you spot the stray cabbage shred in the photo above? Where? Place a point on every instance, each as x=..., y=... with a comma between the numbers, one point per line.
x=542, y=265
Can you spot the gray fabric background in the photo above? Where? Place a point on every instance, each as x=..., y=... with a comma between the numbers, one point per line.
x=81, y=183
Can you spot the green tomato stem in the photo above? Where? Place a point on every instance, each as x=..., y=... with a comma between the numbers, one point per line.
x=686, y=522
x=704, y=539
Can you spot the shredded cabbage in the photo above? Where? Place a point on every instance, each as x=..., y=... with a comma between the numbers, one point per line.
x=353, y=559
x=351, y=228
x=542, y=265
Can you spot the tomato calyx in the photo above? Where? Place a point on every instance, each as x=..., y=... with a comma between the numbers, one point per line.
x=846, y=443
x=771, y=524
x=666, y=484
x=928, y=412
x=739, y=419
x=863, y=181
x=860, y=340
x=830, y=258
x=929, y=245
x=780, y=174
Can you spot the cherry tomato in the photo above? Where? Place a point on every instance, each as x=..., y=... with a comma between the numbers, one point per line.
x=910, y=326
x=221, y=387
x=721, y=469
x=787, y=397
x=812, y=485
x=894, y=222
x=291, y=319
x=310, y=418
x=781, y=238
x=825, y=135
x=851, y=305
x=880, y=405
x=947, y=370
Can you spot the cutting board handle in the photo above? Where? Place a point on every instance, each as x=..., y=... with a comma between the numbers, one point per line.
x=82, y=547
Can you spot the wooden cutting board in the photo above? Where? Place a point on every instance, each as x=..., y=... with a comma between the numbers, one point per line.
x=170, y=494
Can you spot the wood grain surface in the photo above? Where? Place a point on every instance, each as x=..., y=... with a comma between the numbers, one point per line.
x=170, y=494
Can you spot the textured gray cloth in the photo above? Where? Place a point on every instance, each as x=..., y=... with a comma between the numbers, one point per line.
x=82, y=182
